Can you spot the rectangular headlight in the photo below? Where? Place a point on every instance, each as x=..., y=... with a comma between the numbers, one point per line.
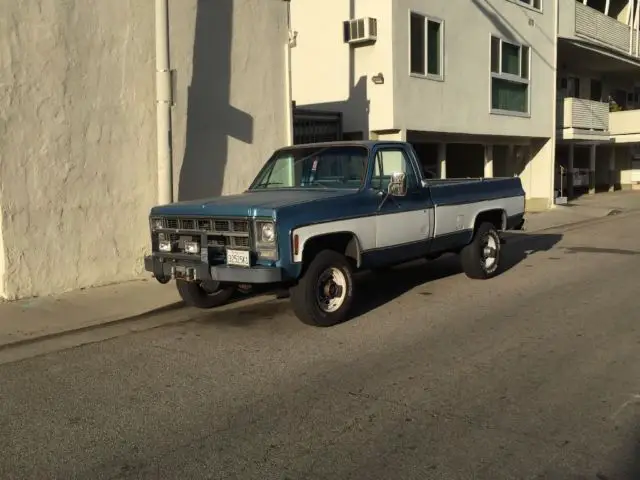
x=265, y=233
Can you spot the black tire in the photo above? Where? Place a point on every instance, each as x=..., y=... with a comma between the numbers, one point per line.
x=474, y=256
x=195, y=295
x=305, y=294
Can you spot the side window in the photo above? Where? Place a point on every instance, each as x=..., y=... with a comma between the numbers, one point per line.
x=388, y=161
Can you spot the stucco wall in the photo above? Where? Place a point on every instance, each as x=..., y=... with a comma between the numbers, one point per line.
x=77, y=126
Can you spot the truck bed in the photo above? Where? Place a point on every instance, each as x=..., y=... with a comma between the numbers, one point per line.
x=455, y=191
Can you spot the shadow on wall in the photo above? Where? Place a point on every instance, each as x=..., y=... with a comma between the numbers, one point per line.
x=210, y=117
x=355, y=109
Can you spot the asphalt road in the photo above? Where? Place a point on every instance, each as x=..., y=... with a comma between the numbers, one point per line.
x=532, y=375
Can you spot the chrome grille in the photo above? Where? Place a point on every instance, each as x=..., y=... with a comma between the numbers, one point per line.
x=221, y=233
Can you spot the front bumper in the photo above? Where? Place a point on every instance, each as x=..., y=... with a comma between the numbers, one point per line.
x=171, y=268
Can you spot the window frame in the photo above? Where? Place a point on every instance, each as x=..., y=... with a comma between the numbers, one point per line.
x=508, y=76
x=426, y=75
x=529, y=6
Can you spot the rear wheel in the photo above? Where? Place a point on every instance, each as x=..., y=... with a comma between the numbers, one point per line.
x=207, y=294
x=481, y=258
x=324, y=294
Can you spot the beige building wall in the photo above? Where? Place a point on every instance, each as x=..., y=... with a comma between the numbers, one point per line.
x=461, y=103
x=77, y=138
x=328, y=74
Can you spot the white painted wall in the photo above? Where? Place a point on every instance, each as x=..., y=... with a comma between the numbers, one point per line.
x=330, y=75
x=77, y=126
x=461, y=103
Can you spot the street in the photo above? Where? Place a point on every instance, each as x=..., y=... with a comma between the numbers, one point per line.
x=532, y=375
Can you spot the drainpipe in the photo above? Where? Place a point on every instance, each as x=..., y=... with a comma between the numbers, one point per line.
x=630, y=23
x=291, y=42
x=636, y=25
x=163, y=103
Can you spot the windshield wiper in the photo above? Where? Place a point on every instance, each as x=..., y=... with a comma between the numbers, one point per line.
x=265, y=184
x=319, y=184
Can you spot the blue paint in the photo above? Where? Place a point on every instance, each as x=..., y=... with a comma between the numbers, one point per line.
x=296, y=207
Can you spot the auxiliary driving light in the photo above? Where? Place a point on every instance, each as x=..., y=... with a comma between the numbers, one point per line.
x=165, y=246
x=191, y=247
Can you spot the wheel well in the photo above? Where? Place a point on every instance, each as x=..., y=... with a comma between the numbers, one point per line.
x=497, y=217
x=345, y=243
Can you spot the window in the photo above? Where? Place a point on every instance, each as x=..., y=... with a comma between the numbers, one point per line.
x=425, y=46
x=537, y=4
x=388, y=161
x=314, y=167
x=509, y=76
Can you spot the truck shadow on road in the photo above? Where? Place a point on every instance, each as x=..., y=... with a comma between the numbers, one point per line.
x=382, y=289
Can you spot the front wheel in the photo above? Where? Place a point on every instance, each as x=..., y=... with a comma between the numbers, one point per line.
x=481, y=258
x=204, y=295
x=324, y=294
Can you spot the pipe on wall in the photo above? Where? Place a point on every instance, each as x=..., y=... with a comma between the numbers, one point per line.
x=291, y=43
x=164, y=102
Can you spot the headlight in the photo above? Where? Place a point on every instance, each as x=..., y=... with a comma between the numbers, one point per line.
x=157, y=223
x=266, y=232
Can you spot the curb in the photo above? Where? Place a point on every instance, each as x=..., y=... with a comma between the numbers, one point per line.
x=181, y=305
x=611, y=213
x=140, y=316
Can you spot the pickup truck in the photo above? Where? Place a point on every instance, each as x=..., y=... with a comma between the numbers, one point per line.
x=317, y=213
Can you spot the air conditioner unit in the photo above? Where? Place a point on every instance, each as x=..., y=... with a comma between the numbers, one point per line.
x=361, y=30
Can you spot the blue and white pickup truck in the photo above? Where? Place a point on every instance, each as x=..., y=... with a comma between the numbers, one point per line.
x=317, y=213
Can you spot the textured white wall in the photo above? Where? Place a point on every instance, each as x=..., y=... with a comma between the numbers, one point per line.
x=77, y=126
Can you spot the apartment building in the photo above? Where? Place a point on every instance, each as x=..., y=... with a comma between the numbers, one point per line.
x=459, y=79
x=472, y=84
x=78, y=164
x=598, y=94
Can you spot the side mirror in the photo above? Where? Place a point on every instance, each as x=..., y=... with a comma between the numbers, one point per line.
x=398, y=184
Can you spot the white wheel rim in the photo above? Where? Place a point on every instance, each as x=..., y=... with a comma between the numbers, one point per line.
x=490, y=253
x=331, y=290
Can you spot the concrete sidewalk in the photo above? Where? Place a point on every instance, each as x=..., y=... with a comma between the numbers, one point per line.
x=27, y=320
x=34, y=318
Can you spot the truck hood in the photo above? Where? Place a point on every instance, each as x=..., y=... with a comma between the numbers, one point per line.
x=263, y=203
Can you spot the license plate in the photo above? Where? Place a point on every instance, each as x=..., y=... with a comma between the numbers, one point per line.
x=238, y=258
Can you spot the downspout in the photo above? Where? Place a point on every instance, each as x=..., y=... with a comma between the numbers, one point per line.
x=291, y=42
x=630, y=23
x=554, y=100
x=163, y=104
x=636, y=24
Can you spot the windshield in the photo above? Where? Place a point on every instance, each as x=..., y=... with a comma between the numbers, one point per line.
x=315, y=167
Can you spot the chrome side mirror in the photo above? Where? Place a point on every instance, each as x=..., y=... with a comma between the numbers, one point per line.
x=398, y=184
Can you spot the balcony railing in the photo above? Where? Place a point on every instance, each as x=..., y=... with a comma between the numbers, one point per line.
x=596, y=25
x=583, y=114
x=626, y=122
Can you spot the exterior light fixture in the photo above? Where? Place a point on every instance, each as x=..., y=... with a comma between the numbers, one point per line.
x=378, y=79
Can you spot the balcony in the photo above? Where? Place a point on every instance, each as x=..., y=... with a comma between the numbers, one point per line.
x=625, y=126
x=579, y=21
x=578, y=118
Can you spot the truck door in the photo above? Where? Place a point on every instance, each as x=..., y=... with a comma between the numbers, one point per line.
x=402, y=223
